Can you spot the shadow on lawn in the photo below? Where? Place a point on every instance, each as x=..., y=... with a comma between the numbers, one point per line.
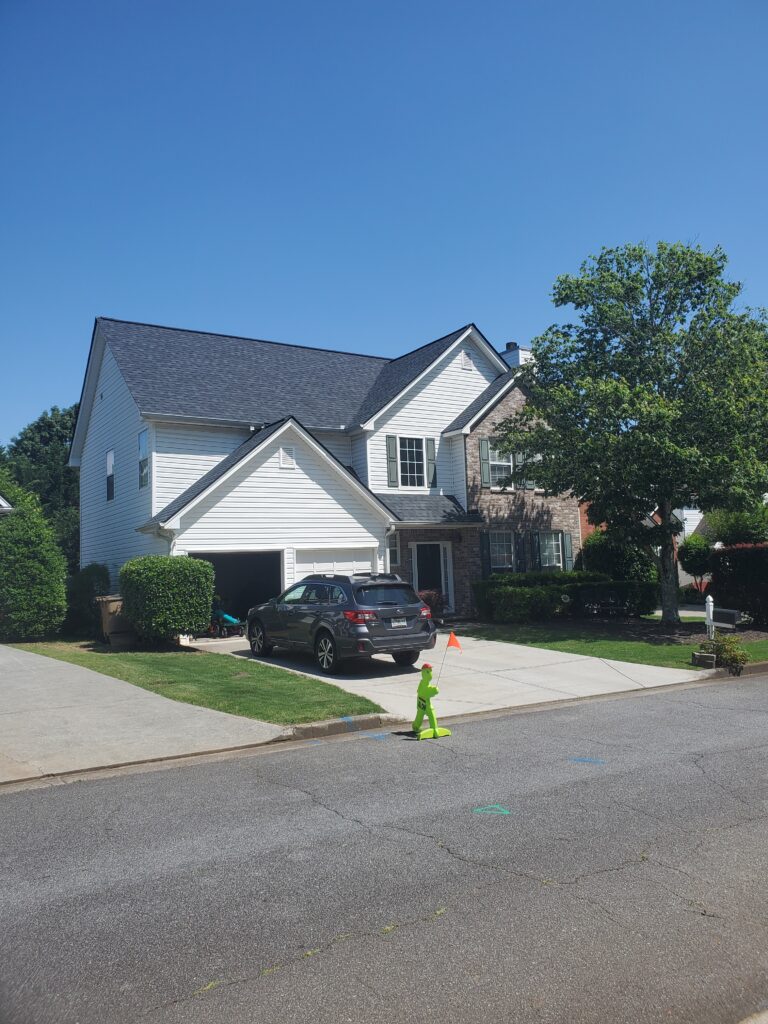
x=594, y=631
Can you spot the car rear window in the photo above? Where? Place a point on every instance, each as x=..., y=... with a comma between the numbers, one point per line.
x=383, y=594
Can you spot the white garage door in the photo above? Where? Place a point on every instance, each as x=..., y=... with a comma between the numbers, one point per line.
x=341, y=560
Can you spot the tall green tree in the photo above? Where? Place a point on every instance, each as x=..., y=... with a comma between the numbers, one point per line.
x=655, y=398
x=37, y=460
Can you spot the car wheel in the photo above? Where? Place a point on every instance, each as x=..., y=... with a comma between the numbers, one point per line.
x=406, y=657
x=257, y=638
x=325, y=653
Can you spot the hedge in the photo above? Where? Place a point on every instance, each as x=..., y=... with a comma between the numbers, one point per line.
x=166, y=596
x=32, y=569
x=740, y=579
x=487, y=591
x=83, y=587
x=620, y=559
x=542, y=603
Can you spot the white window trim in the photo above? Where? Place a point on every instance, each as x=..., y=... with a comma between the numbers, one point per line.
x=556, y=565
x=497, y=462
x=413, y=437
x=396, y=538
x=503, y=568
x=110, y=451
x=145, y=486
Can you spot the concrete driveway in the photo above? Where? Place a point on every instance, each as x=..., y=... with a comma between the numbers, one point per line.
x=486, y=675
x=56, y=717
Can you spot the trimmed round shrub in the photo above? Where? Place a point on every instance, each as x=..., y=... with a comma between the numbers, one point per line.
x=620, y=560
x=166, y=596
x=83, y=587
x=693, y=556
x=32, y=569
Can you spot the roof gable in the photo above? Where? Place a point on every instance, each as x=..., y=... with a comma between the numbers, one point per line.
x=168, y=517
x=483, y=404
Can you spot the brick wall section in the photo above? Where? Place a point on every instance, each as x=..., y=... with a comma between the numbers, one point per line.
x=515, y=510
x=465, y=548
x=586, y=526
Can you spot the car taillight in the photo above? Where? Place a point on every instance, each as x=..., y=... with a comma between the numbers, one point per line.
x=425, y=613
x=360, y=618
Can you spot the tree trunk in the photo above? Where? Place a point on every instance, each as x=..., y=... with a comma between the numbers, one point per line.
x=668, y=567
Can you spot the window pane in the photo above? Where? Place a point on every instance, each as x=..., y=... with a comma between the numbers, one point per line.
x=393, y=543
x=501, y=467
x=295, y=594
x=550, y=547
x=502, y=550
x=143, y=445
x=110, y=475
x=411, y=462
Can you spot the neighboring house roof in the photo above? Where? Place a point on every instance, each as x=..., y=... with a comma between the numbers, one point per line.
x=197, y=376
x=483, y=404
x=441, y=509
x=260, y=437
x=5, y=506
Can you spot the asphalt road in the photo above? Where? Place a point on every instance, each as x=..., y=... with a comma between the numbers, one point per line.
x=356, y=879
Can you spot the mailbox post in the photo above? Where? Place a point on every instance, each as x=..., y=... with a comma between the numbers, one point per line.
x=709, y=606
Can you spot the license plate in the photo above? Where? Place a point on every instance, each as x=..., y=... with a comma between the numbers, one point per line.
x=398, y=623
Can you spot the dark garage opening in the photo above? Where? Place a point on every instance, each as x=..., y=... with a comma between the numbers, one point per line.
x=245, y=578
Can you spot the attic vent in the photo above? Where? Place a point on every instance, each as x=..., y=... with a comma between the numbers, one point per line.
x=288, y=457
x=466, y=360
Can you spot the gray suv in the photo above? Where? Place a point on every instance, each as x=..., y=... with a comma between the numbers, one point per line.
x=340, y=617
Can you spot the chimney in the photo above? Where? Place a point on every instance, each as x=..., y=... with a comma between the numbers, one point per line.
x=513, y=355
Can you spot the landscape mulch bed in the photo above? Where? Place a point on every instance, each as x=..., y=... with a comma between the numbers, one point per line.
x=659, y=632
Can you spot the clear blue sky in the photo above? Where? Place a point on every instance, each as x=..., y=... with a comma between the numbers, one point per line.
x=358, y=175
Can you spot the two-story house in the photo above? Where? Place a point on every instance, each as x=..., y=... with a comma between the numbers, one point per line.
x=273, y=461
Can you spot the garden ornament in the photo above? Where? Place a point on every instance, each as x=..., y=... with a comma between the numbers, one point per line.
x=426, y=691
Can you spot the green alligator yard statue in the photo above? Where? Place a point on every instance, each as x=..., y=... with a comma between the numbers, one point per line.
x=426, y=691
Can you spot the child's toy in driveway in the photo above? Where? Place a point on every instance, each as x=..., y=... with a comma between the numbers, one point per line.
x=426, y=691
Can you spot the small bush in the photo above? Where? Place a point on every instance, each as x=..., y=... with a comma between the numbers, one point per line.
x=32, y=569
x=728, y=651
x=691, y=594
x=434, y=601
x=166, y=596
x=604, y=553
x=740, y=579
x=83, y=587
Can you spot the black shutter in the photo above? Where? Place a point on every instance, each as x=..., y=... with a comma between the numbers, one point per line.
x=520, y=560
x=535, y=553
x=431, y=465
x=485, y=555
x=393, y=476
x=567, y=552
x=485, y=462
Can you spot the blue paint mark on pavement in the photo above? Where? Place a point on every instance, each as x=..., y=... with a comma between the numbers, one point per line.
x=377, y=735
x=586, y=760
x=492, y=809
x=350, y=722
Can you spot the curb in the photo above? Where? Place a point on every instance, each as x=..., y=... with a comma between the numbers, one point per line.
x=335, y=726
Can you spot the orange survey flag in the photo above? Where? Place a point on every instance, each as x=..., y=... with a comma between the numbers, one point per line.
x=453, y=641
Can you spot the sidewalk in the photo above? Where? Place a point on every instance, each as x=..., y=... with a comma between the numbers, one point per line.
x=486, y=675
x=56, y=717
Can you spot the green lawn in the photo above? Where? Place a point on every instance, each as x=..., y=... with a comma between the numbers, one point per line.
x=238, y=686
x=606, y=642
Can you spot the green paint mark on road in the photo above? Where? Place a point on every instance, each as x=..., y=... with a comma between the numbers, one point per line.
x=491, y=809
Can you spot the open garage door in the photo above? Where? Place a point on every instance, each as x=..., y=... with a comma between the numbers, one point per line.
x=341, y=560
x=245, y=578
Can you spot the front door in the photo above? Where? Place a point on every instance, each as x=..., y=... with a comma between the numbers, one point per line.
x=432, y=569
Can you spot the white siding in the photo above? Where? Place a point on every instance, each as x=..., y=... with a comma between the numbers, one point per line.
x=427, y=410
x=264, y=507
x=338, y=444
x=108, y=528
x=184, y=452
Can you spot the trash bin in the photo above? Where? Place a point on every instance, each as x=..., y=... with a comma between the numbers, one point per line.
x=114, y=625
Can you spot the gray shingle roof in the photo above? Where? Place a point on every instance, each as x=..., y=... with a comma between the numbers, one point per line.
x=201, y=485
x=398, y=373
x=427, y=508
x=190, y=374
x=480, y=402
x=196, y=375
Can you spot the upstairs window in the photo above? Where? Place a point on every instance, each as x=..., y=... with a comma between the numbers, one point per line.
x=501, y=467
x=143, y=458
x=411, y=462
x=110, y=475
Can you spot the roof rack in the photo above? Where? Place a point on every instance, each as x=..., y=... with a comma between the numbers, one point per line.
x=352, y=577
